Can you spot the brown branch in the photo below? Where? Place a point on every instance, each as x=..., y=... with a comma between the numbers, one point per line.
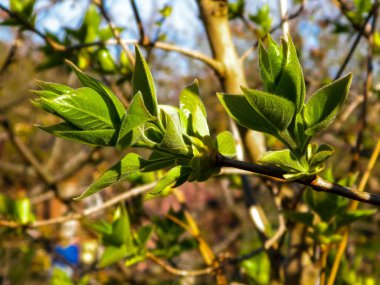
x=90, y=211
x=316, y=183
x=367, y=91
x=355, y=43
x=28, y=26
x=11, y=54
x=179, y=272
x=115, y=32
x=140, y=26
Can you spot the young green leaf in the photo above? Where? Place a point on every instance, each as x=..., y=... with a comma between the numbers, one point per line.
x=54, y=87
x=270, y=63
x=121, y=228
x=347, y=218
x=244, y=114
x=198, y=126
x=142, y=81
x=137, y=114
x=284, y=159
x=324, y=105
x=113, y=254
x=323, y=152
x=171, y=179
x=189, y=98
x=118, y=172
x=305, y=218
x=276, y=110
x=225, y=144
x=115, y=106
x=173, y=140
x=291, y=83
x=84, y=108
x=94, y=137
x=326, y=205
x=22, y=211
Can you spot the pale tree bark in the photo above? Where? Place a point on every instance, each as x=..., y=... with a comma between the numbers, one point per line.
x=214, y=15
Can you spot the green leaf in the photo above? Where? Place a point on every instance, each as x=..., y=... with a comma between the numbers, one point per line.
x=115, y=106
x=93, y=137
x=244, y=114
x=84, y=108
x=270, y=64
x=91, y=24
x=101, y=227
x=300, y=217
x=284, y=159
x=142, y=81
x=189, y=99
x=291, y=83
x=173, y=141
x=170, y=179
x=262, y=17
x=156, y=164
x=225, y=144
x=194, y=110
x=55, y=87
x=144, y=234
x=323, y=152
x=6, y=205
x=118, y=172
x=121, y=228
x=22, y=211
x=274, y=109
x=324, y=105
x=112, y=254
x=347, y=218
x=137, y=114
x=326, y=205
x=199, y=126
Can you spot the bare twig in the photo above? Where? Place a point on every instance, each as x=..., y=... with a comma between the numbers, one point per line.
x=316, y=183
x=11, y=54
x=28, y=26
x=179, y=272
x=353, y=205
x=367, y=91
x=115, y=32
x=355, y=43
x=140, y=26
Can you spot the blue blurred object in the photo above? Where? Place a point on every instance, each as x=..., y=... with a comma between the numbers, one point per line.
x=70, y=253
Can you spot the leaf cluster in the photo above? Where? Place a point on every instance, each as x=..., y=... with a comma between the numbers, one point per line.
x=280, y=110
x=178, y=137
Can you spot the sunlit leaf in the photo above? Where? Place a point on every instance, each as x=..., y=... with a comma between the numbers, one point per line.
x=118, y=172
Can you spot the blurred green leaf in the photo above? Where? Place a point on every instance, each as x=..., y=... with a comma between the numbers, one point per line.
x=347, y=218
x=112, y=254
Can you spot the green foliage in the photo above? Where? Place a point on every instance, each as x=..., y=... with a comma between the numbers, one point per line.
x=280, y=110
x=263, y=19
x=178, y=137
x=18, y=210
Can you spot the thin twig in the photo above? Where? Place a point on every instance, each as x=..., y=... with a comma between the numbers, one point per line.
x=355, y=43
x=115, y=31
x=353, y=205
x=317, y=183
x=28, y=26
x=179, y=272
x=11, y=54
x=140, y=26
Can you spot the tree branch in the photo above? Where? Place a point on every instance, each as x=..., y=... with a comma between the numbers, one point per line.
x=316, y=183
